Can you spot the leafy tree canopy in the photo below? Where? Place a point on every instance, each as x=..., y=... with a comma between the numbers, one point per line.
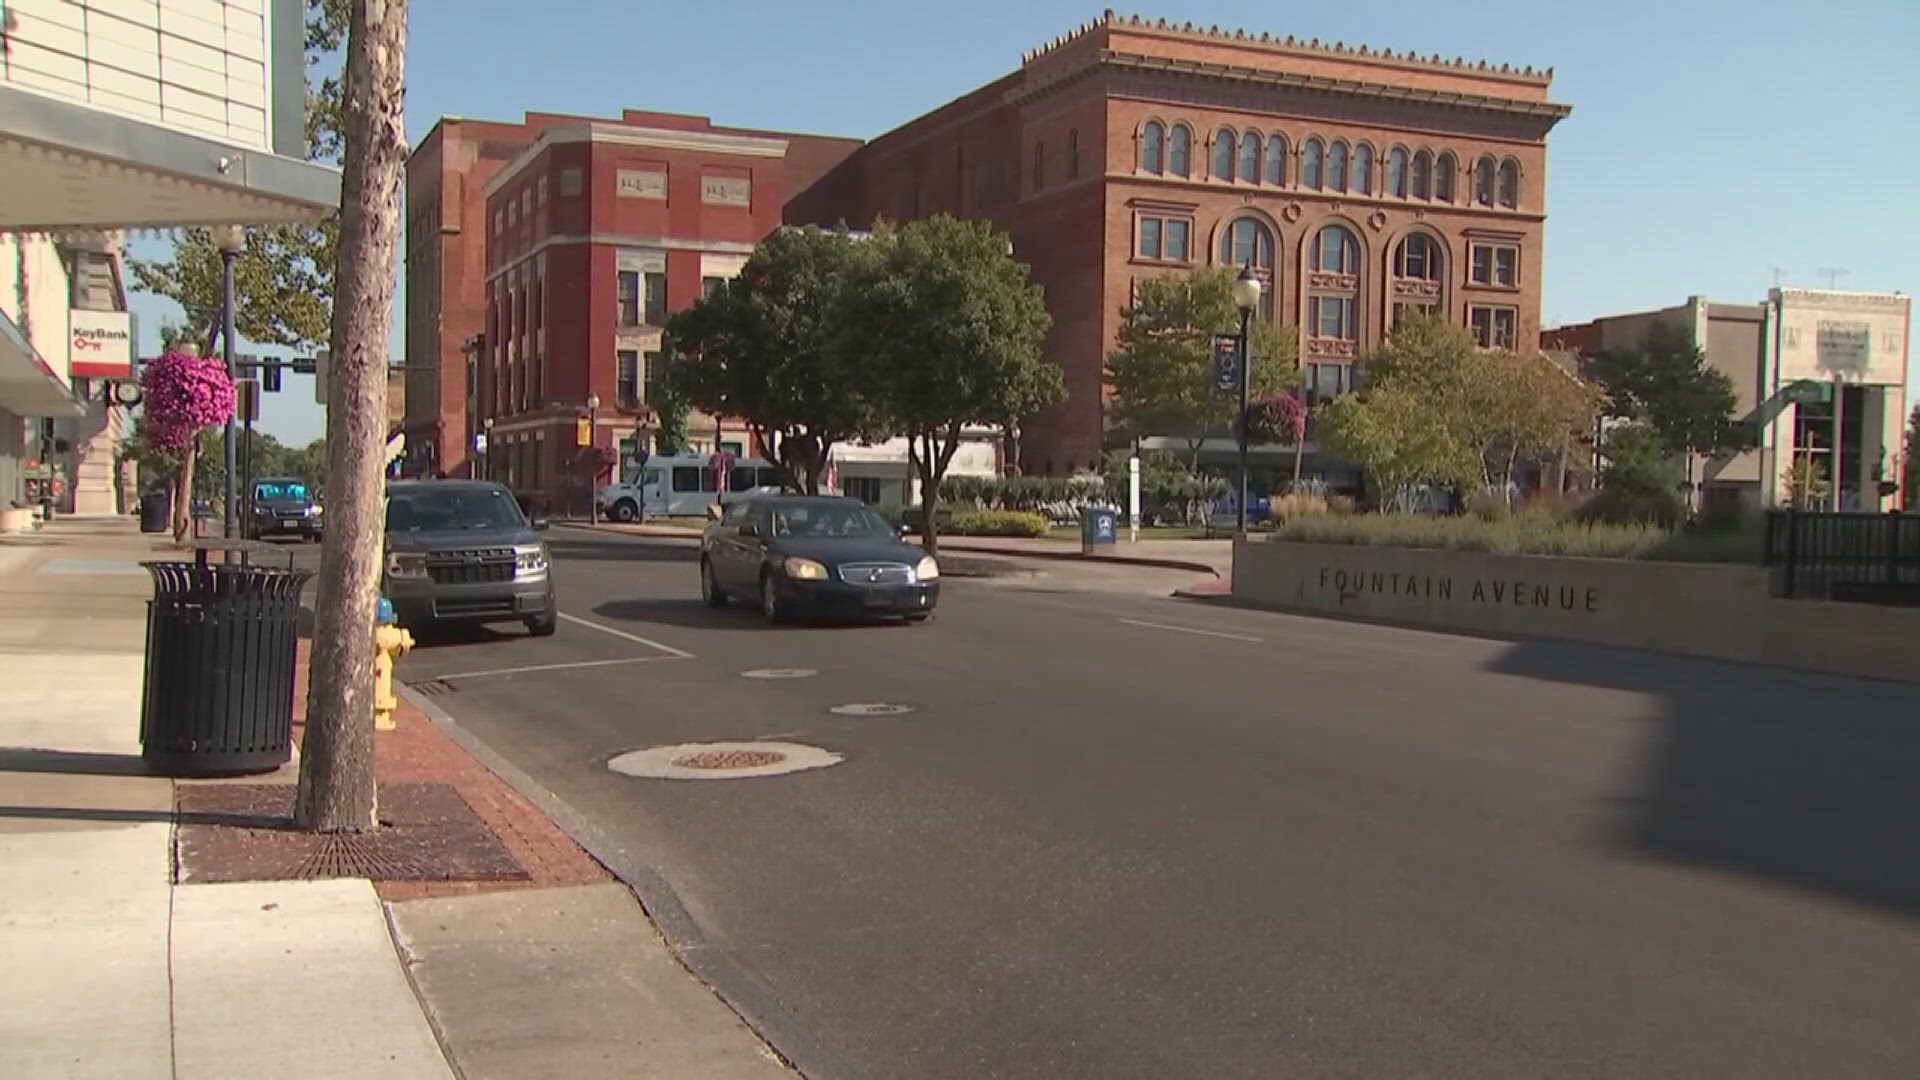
x=1666, y=383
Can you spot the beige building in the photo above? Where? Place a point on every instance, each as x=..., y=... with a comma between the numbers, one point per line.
x=1791, y=358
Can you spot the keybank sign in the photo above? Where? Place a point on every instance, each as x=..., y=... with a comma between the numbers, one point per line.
x=100, y=343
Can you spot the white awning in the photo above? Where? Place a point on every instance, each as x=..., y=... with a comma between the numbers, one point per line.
x=75, y=168
x=28, y=386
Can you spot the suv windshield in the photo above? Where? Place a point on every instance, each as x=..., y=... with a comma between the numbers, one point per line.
x=470, y=508
x=276, y=492
x=827, y=520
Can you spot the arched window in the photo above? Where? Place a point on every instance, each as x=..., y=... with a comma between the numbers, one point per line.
x=1310, y=165
x=1483, y=181
x=1510, y=183
x=1039, y=165
x=1418, y=258
x=1337, y=166
x=1277, y=159
x=1180, y=153
x=1073, y=154
x=1250, y=157
x=1363, y=169
x=1335, y=251
x=1223, y=154
x=1444, y=172
x=1422, y=175
x=1397, y=173
x=1152, y=146
x=1248, y=242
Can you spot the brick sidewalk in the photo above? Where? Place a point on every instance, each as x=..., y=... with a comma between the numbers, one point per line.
x=417, y=751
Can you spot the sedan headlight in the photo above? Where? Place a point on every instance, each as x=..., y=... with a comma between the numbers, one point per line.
x=403, y=564
x=928, y=570
x=804, y=570
x=529, y=561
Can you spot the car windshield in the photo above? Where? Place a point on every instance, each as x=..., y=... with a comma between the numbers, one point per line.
x=828, y=520
x=462, y=508
x=279, y=492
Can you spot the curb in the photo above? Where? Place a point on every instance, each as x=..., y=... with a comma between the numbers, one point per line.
x=1075, y=556
x=737, y=989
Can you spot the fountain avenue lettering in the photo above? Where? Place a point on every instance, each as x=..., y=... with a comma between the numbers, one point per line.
x=1513, y=592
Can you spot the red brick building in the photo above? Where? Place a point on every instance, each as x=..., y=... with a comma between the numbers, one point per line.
x=1357, y=182
x=573, y=245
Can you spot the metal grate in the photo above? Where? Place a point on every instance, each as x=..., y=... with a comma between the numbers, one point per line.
x=471, y=567
x=877, y=575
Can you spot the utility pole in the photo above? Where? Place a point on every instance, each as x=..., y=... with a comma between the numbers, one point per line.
x=337, y=793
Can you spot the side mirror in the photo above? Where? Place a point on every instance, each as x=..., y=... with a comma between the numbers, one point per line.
x=539, y=524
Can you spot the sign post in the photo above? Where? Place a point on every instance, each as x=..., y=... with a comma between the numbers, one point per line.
x=1133, y=499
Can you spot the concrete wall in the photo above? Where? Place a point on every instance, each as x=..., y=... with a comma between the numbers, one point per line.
x=1723, y=612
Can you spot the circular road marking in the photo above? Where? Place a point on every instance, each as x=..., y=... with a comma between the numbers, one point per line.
x=871, y=708
x=779, y=673
x=722, y=760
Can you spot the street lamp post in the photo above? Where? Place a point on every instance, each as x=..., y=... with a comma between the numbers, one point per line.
x=486, y=461
x=1246, y=297
x=229, y=239
x=593, y=458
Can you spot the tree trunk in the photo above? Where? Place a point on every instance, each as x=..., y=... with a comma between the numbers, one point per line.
x=337, y=790
x=1299, y=452
x=183, y=493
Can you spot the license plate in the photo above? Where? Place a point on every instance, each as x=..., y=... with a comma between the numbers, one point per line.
x=883, y=597
x=288, y=523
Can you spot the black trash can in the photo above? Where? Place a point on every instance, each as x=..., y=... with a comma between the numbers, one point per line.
x=156, y=510
x=218, y=698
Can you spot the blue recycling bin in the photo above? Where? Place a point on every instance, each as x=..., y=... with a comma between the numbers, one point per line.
x=1099, y=530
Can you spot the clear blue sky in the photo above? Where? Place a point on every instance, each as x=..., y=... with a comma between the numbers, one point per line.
x=1711, y=142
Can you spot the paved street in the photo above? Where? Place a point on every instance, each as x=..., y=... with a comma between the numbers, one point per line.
x=1125, y=836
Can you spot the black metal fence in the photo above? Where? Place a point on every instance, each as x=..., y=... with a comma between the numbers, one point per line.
x=1874, y=558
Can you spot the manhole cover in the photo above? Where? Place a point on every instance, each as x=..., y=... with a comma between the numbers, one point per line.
x=779, y=673
x=728, y=759
x=870, y=708
x=722, y=760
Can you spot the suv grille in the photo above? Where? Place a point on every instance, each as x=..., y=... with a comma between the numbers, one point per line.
x=471, y=567
x=877, y=575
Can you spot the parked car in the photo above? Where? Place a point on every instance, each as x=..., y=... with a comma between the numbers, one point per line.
x=802, y=555
x=461, y=551
x=283, y=506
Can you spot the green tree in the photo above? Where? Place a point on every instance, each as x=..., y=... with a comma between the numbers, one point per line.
x=950, y=332
x=1910, y=486
x=771, y=348
x=283, y=277
x=669, y=404
x=1161, y=369
x=1391, y=432
x=1666, y=384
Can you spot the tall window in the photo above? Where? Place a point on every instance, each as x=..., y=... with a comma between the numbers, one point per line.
x=1039, y=165
x=1335, y=251
x=1180, y=155
x=1327, y=381
x=1332, y=317
x=1250, y=157
x=1277, y=159
x=629, y=297
x=1223, y=154
x=1166, y=238
x=1483, y=181
x=710, y=286
x=1152, y=238
x=1337, y=166
x=1444, y=172
x=1248, y=242
x=1363, y=169
x=1422, y=175
x=652, y=371
x=656, y=283
x=1152, y=146
x=1495, y=264
x=1397, y=173
x=1493, y=327
x=1073, y=154
x=627, y=378
x=1510, y=183
x=1418, y=258
x=1310, y=173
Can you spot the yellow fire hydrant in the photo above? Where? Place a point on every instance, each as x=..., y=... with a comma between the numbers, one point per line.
x=390, y=642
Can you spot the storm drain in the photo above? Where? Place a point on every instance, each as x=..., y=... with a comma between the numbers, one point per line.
x=722, y=760
x=779, y=673
x=870, y=708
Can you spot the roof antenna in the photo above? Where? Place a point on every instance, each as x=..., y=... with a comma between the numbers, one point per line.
x=1833, y=274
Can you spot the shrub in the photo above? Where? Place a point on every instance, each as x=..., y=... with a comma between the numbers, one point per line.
x=1632, y=506
x=1524, y=533
x=997, y=523
x=1293, y=505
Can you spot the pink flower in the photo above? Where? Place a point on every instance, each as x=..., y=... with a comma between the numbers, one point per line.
x=182, y=395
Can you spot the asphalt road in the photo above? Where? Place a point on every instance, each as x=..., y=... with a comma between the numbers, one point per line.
x=1123, y=836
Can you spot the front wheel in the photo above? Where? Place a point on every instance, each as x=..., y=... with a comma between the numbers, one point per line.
x=710, y=590
x=626, y=510
x=543, y=625
x=771, y=607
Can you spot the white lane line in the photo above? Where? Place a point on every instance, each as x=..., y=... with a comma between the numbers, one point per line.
x=1189, y=630
x=558, y=667
x=668, y=649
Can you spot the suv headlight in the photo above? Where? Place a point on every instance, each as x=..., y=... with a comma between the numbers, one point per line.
x=404, y=564
x=928, y=570
x=804, y=570
x=529, y=561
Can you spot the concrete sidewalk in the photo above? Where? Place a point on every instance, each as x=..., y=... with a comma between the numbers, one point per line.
x=116, y=971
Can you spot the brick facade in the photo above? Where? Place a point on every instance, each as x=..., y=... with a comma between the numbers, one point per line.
x=1062, y=154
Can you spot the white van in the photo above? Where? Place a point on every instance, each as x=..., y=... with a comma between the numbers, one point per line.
x=684, y=485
